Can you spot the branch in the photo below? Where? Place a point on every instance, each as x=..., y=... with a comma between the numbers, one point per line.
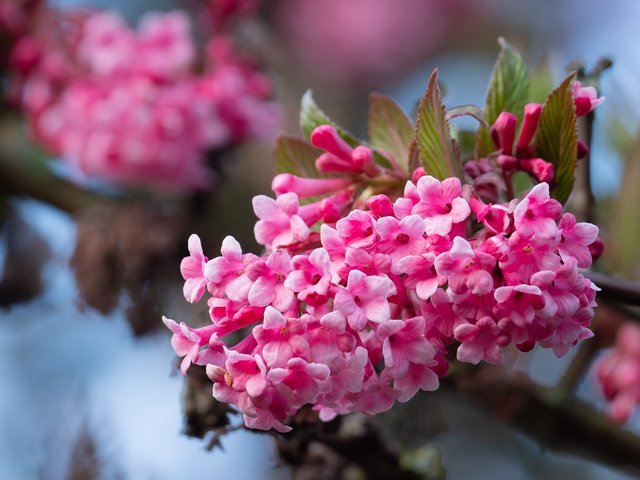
x=26, y=179
x=566, y=425
x=364, y=447
x=618, y=289
x=584, y=200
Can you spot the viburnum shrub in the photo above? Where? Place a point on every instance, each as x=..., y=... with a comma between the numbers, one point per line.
x=382, y=258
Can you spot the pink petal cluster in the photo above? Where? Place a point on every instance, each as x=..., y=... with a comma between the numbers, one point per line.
x=618, y=373
x=128, y=105
x=361, y=314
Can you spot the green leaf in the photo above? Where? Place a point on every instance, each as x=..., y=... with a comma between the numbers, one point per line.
x=508, y=92
x=390, y=129
x=557, y=137
x=294, y=155
x=414, y=156
x=311, y=116
x=466, y=111
x=439, y=154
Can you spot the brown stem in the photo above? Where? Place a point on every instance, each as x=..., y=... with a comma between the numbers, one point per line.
x=25, y=179
x=590, y=200
x=617, y=289
x=366, y=448
x=577, y=368
x=564, y=424
x=586, y=203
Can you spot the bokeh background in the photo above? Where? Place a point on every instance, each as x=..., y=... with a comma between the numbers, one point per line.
x=84, y=394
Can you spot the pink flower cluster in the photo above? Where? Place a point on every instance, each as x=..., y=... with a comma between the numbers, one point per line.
x=619, y=373
x=361, y=313
x=129, y=106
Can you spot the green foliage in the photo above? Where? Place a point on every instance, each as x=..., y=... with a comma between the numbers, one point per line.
x=390, y=129
x=557, y=137
x=508, y=92
x=294, y=155
x=438, y=152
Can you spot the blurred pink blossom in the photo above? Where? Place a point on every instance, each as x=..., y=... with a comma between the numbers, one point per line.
x=133, y=107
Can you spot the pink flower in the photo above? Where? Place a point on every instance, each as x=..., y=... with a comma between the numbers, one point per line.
x=310, y=276
x=187, y=342
x=281, y=339
x=529, y=125
x=503, y=132
x=540, y=169
x=567, y=331
x=467, y=269
x=519, y=303
x=268, y=281
x=560, y=289
x=400, y=238
x=329, y=341
x=495, y=218
x=527, y=256
x=340, y=156
x=575, y=240
x=404, y=343
x=536, y=213
x=441, y=204
x=246, y=373
x=226, y=274
x=585, y=98
x=479, y=341
x=307, y=187
x=357, y=229
x=192, y=270
x=377, y=396
x=440, y=317
x=421, y=274
x=418, y=377
x=364, y=299
x=279, y=222
x=303, y=380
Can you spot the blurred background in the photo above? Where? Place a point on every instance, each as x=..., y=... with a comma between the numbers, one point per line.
x=88, y=380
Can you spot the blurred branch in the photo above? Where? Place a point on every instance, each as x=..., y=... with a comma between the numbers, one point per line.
x=25, y=179
x=564, y=424
x=617, y=289
x=361, y=445
x=577, y=368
